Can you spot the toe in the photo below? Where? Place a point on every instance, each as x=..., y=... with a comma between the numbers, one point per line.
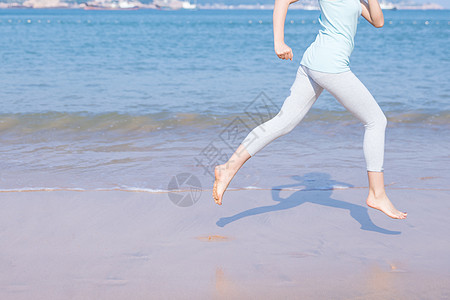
x=398, y=216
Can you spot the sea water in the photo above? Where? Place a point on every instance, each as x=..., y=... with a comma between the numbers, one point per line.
x=128, y=100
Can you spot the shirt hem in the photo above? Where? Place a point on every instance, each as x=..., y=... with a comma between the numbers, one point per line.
x=324, y=71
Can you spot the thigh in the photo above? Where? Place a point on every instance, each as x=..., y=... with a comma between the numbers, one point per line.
x=305, y=84
x=303, y=93
x=351, y=93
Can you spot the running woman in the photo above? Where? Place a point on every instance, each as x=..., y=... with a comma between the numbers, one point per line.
x=324, y=65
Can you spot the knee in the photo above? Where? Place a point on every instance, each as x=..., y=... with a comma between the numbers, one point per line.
x=286, y=129
x=282, y=123
x=380, y=122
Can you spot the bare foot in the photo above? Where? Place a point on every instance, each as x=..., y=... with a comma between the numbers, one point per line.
x=223, y=178
x=383, y=204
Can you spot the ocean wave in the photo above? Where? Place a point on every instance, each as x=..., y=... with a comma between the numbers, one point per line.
x=163, y=191
x=29, y=123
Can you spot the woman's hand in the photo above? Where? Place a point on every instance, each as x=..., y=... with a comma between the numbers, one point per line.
x=279, y=17
x=283, y=51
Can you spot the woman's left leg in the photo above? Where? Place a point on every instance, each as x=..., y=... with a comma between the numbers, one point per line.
x=357, y=99
x=303, y=93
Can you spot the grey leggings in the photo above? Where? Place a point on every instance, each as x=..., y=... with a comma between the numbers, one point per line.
x=305, y=90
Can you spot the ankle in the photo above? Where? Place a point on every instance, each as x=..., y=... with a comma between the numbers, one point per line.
x=229, y=167
x=377, y=194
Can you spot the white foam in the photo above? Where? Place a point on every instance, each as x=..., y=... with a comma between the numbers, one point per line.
x=77, y=189
x=340, y=187
x=41, y=189
x=252, y=187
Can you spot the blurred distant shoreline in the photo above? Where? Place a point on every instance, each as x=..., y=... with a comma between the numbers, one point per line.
x=187, y=5
x=206, y=8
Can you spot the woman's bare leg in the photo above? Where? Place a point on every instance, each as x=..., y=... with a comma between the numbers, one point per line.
x=224, y=173
x=358, y=100
x=377, y=196
x=303, y=93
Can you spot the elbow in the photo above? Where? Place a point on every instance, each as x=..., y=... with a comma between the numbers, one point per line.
x=378, y=24
x=287, y=2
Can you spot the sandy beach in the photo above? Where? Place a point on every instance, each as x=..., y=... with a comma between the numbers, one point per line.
x=101, y=110
x=275, y=244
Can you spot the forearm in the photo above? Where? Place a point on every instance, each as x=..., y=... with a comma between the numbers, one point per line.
x=279, y=18
x=376, y=14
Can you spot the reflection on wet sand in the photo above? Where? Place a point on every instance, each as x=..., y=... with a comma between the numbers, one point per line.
x=224, y=287
x=213, y=238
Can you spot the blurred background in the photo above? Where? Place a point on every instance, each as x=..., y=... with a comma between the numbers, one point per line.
x=205, y=4
x=119, y=97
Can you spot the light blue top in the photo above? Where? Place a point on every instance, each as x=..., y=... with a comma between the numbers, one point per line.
x=330, y=52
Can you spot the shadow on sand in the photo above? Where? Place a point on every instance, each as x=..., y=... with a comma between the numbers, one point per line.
x=315, y=181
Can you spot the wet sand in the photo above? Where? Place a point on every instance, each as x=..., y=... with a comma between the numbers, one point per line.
x=260, y=244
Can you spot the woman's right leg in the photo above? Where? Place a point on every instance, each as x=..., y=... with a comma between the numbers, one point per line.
x=357, y=99
x=303, y=93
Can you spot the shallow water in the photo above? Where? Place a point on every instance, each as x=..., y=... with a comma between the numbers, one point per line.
x=93, y=99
